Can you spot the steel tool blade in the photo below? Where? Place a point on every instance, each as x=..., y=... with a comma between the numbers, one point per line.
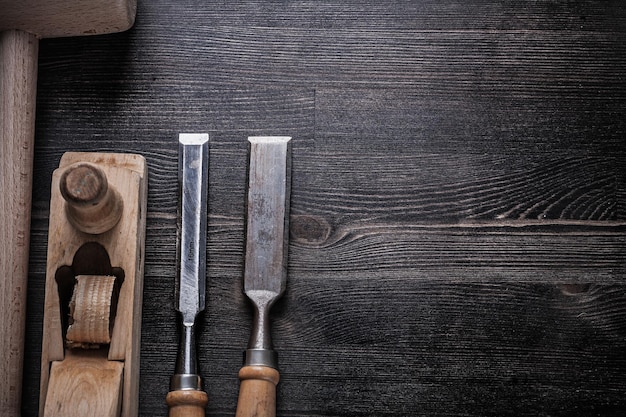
x=265, y=275
x=193, y=174
x=186, y=397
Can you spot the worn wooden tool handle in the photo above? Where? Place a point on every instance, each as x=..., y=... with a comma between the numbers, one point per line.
x=18, y=81
x=257, y=393
x=187, y=403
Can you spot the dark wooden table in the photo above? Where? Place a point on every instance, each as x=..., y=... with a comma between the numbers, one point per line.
x=458, y=228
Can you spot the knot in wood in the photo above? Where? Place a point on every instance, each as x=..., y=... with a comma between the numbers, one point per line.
x=574, y=288
x=310, y=229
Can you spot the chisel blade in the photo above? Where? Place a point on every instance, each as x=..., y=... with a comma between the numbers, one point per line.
x=186, y=396
x=193, y=176
x=268, y=215
x=265, y=275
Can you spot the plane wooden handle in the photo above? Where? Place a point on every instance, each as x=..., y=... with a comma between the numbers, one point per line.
x=187, y=403
x=257, y=393
x=93, y=206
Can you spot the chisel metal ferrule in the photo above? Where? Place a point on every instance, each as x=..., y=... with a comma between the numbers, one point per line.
x=185, y=382
x=261, y=357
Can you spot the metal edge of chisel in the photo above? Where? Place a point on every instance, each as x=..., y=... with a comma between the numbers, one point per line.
x=193, y=180
x=267, y=237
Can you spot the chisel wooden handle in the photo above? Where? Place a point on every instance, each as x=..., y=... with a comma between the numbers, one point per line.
x=257, y=393
x=187, y=403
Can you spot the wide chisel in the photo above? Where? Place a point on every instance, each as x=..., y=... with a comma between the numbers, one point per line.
x=186, y=398
x=265, y=275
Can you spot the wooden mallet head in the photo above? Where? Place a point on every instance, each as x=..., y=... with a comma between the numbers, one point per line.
x=61, y=18
x=22, y=24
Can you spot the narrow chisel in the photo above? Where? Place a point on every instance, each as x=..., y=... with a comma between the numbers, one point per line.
x=265, y=275
x=186, y=398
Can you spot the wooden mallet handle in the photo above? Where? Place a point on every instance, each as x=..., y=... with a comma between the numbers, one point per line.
x=257, y=393
x=22, y=24
x=18, y=85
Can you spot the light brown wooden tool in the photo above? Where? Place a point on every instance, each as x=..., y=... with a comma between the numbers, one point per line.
x=257, y=392
x=22, y=24
x=93, y=206
x=94, y=284
x=88, y=372
x=187, y=403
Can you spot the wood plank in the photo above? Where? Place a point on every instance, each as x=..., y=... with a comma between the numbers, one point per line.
x=479, y=122
x=492, y=47
x=371, y=184
x=427, y=349
x=409, y=177
x=399, y=14
x=403, y=154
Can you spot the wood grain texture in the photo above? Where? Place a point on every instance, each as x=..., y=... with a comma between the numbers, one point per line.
x=67, y=17
x=119, y=252
x=92, y=206
x=85, y=384
x=458, y=186
x=18, y=87
x=257, y=393
x=186, y=403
